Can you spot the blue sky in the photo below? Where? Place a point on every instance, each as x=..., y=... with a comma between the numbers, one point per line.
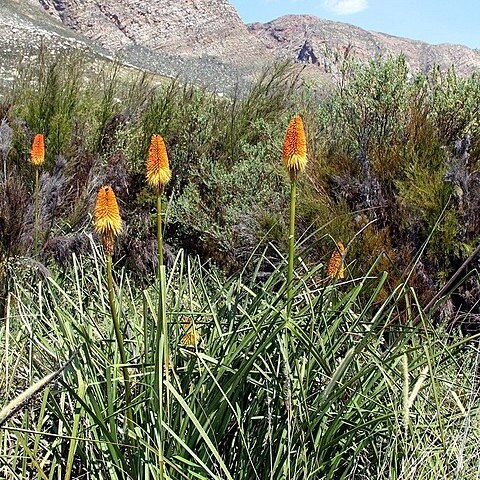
x=434, y=21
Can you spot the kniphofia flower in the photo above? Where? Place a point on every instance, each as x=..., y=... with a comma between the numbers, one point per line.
x=158, y=169
x=335, y=266
x=37, y=153
x=295, y=147
x=192, y=335
x=107, y=220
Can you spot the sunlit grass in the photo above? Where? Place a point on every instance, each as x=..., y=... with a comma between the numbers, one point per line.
x=228, y=408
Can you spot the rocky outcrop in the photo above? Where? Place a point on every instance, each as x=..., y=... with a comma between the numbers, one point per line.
x=306, y=38
x=181, y=27
x=202, y=41
x=306, y=54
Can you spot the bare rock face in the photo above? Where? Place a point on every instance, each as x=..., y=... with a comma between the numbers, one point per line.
x=180, y=27
x=204, y=41
x=312, y=40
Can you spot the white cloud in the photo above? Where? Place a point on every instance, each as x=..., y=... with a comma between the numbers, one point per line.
x=345, y=7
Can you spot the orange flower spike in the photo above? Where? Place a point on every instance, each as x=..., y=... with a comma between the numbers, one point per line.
x=295, y=147
x=37, y=153
x=107, y=220
x=192, y=336
x=335, y=267
x=158, y=169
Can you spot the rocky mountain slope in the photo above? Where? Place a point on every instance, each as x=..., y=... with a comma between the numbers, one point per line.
x=24, y=29
x=183, y=27
x=196, y=40
x=202, y=41
x=319, y=42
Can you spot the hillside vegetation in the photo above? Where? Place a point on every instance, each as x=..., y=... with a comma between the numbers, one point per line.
x=401, y=152
x=217, y=365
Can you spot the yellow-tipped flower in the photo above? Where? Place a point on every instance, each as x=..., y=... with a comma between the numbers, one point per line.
x=107, y=217
x=158, y=170
x=192, y=335
x=335, y=267
x=295, y=147
x=37, y=153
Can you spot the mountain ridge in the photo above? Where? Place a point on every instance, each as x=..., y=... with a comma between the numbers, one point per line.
x=205, y=41
x=187, y=27
x=287, y=35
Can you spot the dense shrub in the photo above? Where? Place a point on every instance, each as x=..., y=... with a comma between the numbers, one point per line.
x=384, y=146
x=400, y=150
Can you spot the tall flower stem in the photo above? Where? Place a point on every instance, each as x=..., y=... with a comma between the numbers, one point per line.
x=294, y=156
x=158, y=175
x=291, y=246
x=162, y=313
x=120, y=343
x=162, y=351
x=286, y=337
x=37, y=156
x=35, y=244
x=159, y=230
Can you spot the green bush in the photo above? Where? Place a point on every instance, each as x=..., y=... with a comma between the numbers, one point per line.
x=383, y=147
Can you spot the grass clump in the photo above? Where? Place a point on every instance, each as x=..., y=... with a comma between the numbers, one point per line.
x=350, y=361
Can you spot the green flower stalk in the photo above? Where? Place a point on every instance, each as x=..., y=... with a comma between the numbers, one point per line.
x=294, y=156
x=108, y=224
x=37, y=156
x=158, y=175
x=294, y=160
